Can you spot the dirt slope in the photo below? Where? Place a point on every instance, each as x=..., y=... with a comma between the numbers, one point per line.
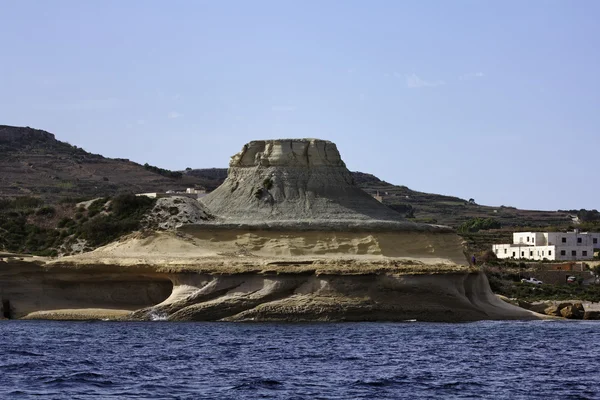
x=34, y=163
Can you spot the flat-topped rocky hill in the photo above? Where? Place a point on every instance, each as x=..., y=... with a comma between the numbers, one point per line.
x=34, y=163
x=335, y=254
x=289, y=181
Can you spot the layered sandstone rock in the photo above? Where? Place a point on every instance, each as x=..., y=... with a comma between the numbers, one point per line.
x=296, y=183
x=287, y=237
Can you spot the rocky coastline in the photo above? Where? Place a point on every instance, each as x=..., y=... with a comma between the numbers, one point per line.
x=287, y=237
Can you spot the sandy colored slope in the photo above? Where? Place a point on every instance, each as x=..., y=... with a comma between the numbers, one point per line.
x=206, y=245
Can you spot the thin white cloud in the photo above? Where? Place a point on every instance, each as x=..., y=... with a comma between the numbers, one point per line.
x=174, y=115
x=283, y=108
x=413, y=82
x=471, y=75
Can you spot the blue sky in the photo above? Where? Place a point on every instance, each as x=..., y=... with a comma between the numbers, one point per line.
x=495, y=100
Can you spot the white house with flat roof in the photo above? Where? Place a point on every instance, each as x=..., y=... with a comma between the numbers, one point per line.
x=550, y=246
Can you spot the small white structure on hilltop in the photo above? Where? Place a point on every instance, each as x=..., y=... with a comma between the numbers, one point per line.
x=550, y=246
x=189, y=192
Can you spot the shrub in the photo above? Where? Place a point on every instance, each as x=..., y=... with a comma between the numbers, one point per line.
x=131, y=205
x=477, y=224
x=268, y=183
x=126, y=213
x=47, y=211
x=97, y=206
x=64, y=222
x=19, y=203
x=488, y=256
x=406, y=209
x=103, y=229
x=72, y=200
x=163, y=172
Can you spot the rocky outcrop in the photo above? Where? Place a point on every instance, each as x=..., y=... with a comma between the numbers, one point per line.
x=29, y=289
x=287, y=237
x=174, y=212
x=591, y=315
x=24, y=135
x=572, y=311
x=564, y=309
x=295, y=182
x=137, y=289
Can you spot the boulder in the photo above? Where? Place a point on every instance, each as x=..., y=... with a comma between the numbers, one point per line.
x=592, y=315
x=553, y=310
x=539, y=307
x=283, y=180
x=571, y=310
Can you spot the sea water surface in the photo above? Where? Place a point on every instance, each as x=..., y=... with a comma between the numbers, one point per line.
x=160, y=360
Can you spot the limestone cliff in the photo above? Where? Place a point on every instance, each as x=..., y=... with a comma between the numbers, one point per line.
x=287, y=237
x=169, y=276
x=293, y=182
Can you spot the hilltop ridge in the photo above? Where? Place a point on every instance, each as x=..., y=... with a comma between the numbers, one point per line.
x=34, y=163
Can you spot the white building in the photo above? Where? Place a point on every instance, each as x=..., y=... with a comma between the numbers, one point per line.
x=189, y=192
x=550, y=246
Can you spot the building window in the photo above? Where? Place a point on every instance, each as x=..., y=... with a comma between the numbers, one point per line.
x=528, y=238
x=496, y=251
x=573, y=253
x=531, y=254
x=504, y=251
x=584, y=253
x=578, y=240
x=549, y=252
x=522, y=254
x=542, y=253
x=564, y=240
x=514, y=254
x=595, y=240
x=563, y=252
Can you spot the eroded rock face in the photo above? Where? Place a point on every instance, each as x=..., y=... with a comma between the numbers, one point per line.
x=288, y=153
x=173, y=212
x=294, y=180
x=592, y=315
x=23, y=134
x=572, y=311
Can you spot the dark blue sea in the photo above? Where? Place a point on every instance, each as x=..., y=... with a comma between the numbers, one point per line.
x=160, y=360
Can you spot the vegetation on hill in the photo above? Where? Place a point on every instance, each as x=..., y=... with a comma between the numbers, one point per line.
x=212, y=178
x=163, y=172
x=27, y=225
x=588, y=215
x=478, y=224
x=505, y=279
x=34, y=163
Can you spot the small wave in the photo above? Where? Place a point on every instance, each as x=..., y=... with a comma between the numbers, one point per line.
x=76, y=380
x=376, y=382
x=259, y=384
x=158, y=317
x=20, y=366
x=25, y=353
